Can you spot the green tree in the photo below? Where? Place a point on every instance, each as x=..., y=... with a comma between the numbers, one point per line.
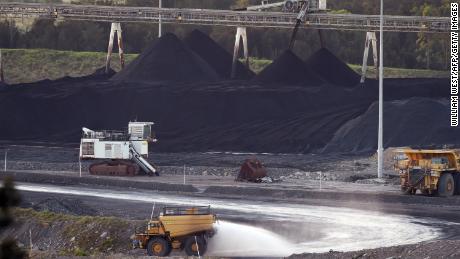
x=431, y=48
x=9, y=197
x=9, y=34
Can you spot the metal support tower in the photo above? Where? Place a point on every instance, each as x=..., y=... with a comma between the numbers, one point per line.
x=159, y=20
x=115, y=28
x=370, y=39
x=248, y=19
x=240, y=34
x=380, y=133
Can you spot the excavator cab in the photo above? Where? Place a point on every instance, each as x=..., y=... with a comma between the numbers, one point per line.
x=141, y=131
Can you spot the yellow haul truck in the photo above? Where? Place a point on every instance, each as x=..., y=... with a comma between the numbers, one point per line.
x=181, y=228
x=433, y=172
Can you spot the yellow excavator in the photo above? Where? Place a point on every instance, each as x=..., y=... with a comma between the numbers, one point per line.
x=179, y=228
x=433, y=172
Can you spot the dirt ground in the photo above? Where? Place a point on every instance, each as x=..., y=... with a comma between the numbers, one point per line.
x=333, y=180
x=427, y=250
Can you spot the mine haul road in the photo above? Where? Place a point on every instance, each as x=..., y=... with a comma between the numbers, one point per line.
x=334, y=219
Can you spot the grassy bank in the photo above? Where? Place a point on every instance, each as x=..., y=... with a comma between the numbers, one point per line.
x=69, y=235
x=30, y=65
x=402, y=72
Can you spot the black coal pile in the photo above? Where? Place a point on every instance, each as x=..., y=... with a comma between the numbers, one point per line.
x=221, y=116
x=289, y=69
x=276, y=114
x=189, y=117
x=168, y=59
x=101, y=72
x=416, y=122
x=332, y=69
x=3, y=85
x=216, y=56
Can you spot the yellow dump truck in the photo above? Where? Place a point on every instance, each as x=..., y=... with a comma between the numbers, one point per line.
x=181, y=228
x=433, y=172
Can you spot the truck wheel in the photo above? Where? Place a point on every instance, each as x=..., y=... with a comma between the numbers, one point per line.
x=191, y=248
x=446, y=185
x=457, y=183
x=406, y=190
x=158, y=246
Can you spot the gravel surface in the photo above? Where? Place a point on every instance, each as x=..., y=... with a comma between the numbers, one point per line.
x=338, y=167
x=427, y=250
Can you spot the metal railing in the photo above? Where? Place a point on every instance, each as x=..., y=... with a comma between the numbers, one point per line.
x=108, y=135
x=224, y=17
x=177, y=211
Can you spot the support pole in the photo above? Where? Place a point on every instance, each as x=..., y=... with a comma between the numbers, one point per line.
x=6, y=155
x=159, y=20
x=2, y=79
x=79, y=165
x=371, y=39
x=109, y=49
x=31, y=246
x=375, y=55
x=380, y=133
x=321, y=180
x=240, y=33
x=121, y=52
x=115, y=28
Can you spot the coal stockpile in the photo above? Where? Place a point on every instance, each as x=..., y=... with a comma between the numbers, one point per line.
x=289, y=69
x=3, y=86
x=416, y=122
x=168, y=59
x=332, y=69
x=276, y=114
x=216, y=56
x=198, y=117
x=222, y=116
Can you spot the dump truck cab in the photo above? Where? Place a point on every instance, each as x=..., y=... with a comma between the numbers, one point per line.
x=180, y=228
x=433, y=172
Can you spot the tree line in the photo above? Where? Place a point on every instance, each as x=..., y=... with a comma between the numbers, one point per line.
x=408, y=50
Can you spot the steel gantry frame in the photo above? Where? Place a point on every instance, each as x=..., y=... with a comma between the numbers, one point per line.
x=321, y=21
x=239, y=19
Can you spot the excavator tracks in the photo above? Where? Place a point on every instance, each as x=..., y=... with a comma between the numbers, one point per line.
x=114, y=168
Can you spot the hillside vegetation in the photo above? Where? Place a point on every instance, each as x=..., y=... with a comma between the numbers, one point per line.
x=30, y=65
x=405, y=50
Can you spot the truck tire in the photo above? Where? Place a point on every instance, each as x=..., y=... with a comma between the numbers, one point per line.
x=446, y=185
x=406, y=190
x=190, y=246
x=158, y=246
x=457, y=183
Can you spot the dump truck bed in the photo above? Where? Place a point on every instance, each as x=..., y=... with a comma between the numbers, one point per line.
x=185, y=221
x=453, y=155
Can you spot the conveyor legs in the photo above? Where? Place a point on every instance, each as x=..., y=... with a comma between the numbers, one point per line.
x=115, y=28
